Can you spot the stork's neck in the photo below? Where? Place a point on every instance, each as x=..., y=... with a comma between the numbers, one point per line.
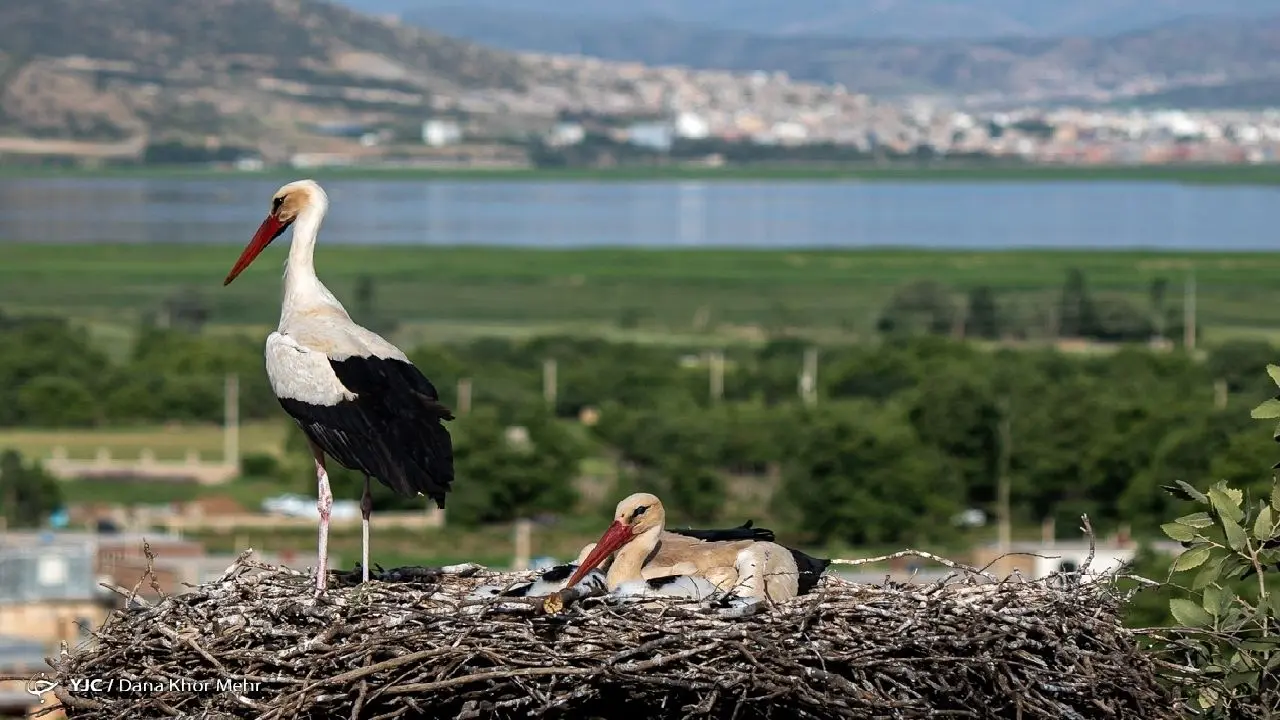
x=628, y=562
x=303, y=291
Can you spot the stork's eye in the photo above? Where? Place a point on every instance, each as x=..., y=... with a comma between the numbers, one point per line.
x=276, y=203
x=638, y=512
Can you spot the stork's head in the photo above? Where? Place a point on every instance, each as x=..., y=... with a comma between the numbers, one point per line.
x=289, y=202
x=635, y=515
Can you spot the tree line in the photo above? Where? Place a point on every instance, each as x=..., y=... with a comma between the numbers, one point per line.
x=928, y=307
x=896, y=440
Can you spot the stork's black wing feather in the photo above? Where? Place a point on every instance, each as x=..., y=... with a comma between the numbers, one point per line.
x=392, y=431
x=742, y=532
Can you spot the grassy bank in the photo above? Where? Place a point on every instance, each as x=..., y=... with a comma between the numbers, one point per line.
x=943, y=172
x=443, y=294
x=166, y=443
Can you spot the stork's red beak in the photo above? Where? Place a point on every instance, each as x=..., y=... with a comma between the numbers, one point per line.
x=269, y=230
x=615, y=537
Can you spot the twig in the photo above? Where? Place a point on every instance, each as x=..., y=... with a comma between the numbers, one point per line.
x=915, y=553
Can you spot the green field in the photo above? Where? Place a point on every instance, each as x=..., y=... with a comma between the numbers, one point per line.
x=168, y=443
x=936, y=172
x=712, y=296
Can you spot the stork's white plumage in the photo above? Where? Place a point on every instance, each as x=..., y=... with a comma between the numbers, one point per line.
x=356, y=396
x=689, y=587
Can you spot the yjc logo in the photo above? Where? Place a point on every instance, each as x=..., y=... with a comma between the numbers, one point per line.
x=39, y=686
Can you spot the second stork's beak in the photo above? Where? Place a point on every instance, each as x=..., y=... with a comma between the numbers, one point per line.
x=615, y=537
x=269, y=230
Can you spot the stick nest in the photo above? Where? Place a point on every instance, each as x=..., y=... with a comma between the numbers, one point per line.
x=411, y=644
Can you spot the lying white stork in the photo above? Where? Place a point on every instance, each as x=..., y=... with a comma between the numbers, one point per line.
x=684, y=586
x=753, y=569
x=356, y=396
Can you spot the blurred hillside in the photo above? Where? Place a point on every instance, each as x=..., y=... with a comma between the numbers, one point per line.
x=908, y=19
x=1194, y=53
x=241, y=71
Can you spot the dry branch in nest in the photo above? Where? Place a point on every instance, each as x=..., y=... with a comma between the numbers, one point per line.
x=412, y=645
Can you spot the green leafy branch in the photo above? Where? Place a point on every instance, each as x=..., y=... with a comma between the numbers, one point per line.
x=1230, y=624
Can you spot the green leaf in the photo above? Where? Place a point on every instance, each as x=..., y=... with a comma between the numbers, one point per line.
x=1212, y=597
x=1189, y=614
x=1273, y=602
x=1207, y=699
x=1262, y=524
x=1263, y=645
x=1274, y=372
x=1237, y=679
x=1208, y=574
x=1192, y=559
x=1179, y=532
x=1234, y=566
x=1217, y=601
x=1275, y=497
x=1226, y=501
x=1236, y=538
x=1268, y=410
x=1196, y=520
x=1183, y=491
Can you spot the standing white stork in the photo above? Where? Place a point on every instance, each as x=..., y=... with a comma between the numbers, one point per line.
x=356, y=396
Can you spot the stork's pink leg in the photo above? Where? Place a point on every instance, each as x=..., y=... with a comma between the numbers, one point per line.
x=324, y=504
x=366, y=509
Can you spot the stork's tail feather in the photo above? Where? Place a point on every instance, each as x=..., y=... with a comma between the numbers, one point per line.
x=810, y=568
x=439, y=464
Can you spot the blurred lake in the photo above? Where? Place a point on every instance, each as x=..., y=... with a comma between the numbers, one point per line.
x=758, y=214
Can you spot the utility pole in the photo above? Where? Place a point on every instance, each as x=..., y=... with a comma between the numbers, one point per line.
x=549, y=382
x=231, y=420
x=9, y=501
x=524, y=544
x=960, y=321
x=1189, y=313
x=1004, y=539
x=809, y=377
x=464, y=396
x=715, y=363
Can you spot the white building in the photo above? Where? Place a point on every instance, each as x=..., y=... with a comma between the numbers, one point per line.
x=692, y=126
x=567, y=133
x=438, y=133
x=790, y=133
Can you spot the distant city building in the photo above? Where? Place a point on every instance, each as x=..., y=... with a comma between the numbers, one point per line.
x=566, y=133
x=652, y=135
x=692, y=126
x=789, y=133
x=439, y=133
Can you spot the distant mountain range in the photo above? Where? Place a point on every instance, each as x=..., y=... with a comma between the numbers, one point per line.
x=904, y=19
x=1187, y=53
